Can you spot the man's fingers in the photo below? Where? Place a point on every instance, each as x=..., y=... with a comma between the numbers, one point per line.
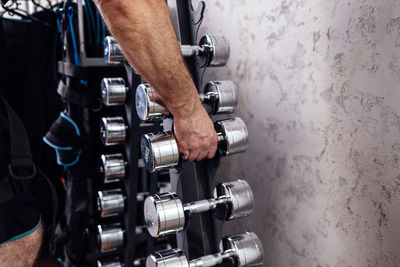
x=201, y=155
x=212, y=151
x=193, y=155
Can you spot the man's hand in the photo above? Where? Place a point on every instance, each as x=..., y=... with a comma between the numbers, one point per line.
x=145, y=33
x=195, y=135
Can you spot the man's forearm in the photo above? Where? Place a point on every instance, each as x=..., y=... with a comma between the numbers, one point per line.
x=144, y=31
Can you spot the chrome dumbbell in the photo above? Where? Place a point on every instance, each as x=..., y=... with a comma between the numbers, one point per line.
x=218, y=97
x=112, y=202
x=160, y=151
x=165, y=214
x=113, y=167
x=112, y=51
x=118, y=263
x=110, y=263
x=113, y=91
x=244, y=249
x=111, y=237
x=215, y=47
x=113, y=130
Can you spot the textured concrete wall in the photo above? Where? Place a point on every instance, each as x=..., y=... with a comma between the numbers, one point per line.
x=320, y=91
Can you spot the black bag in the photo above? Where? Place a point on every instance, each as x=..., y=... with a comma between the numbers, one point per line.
x=20, y=212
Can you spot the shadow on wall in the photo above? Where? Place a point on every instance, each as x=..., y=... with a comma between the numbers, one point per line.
x=318, y=83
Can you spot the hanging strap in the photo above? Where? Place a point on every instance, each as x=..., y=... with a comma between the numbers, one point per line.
x=79, y=98
x=21, y=164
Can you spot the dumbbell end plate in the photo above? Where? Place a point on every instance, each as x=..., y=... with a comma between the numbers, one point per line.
x=147, y=153
x=152, y=221
x=141, y=99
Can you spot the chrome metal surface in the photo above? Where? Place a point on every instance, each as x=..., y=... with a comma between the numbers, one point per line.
x=225, y=94
x=113, y=91
x=146, y=106
x=247, y=247
x=113, y=167
x=110, y=202
x=111, y=263
x=167, y=258
x=112, y=51
x=220, y=49
x=164, y=214
x=240, y=196
x=159, y=151
x=112, y=130
x=221, y=95
x=235, y=135
x=110, y=238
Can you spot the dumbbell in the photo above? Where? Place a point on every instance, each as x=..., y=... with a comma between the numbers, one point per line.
x=112, y=202
x=112, y=167
x=218, y=97
x=160, y=151
x=118, y=263
x=113, y=130
x=113, y=91
x=165, y=214
x=111, y=237
x=112, y=51
x=244, y=249
x=214, y=47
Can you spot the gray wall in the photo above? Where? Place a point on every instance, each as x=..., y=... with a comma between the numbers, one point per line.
x=320, y=92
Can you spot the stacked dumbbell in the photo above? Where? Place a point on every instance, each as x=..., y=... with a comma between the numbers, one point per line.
x=111, y=197
x=165, y=213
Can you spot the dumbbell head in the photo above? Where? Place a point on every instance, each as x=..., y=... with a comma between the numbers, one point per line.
x=113, y=167
x=159, y=151
x=146, y=106
x=240, y=195
x=113, y=91
x=220, y=49
x=110, y=238
x=247, y=247
x=224, y=96
x=235, y=135
x=164, y=214
x=167, y=258
x=112, y=130
x=111, y=263
x=110, y=202
x=112, y=51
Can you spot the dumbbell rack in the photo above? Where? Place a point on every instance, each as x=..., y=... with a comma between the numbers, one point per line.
x=81, y=244
x=196, y=178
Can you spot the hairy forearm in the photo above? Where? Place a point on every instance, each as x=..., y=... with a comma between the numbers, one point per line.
x=144, y=31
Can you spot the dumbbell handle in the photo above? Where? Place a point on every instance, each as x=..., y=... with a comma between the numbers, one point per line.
x=191, y=50
x=212, y=260
x=206, y=204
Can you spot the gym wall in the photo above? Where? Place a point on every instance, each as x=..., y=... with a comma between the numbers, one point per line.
x=319, y=91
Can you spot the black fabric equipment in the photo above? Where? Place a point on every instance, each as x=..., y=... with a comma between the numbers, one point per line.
x=64, y=136
x=20, y=212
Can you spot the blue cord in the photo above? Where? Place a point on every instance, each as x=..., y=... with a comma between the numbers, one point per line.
x=71, y=26
x=88, y=24
x=89, y=6
x=97, y=27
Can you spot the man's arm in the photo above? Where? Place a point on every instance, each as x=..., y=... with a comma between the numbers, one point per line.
x=145, y=33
